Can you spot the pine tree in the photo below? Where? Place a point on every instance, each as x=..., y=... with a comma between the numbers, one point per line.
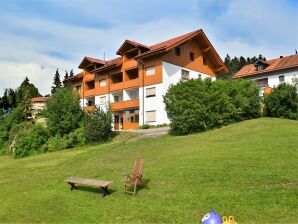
x=71, y=73
x=26, y=104
x=20, y=91
x=57, y=83
x=66, y=75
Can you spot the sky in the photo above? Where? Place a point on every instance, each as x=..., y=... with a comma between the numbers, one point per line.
x=39, y=36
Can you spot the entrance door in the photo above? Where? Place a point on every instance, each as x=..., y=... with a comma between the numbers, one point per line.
x=116, y=122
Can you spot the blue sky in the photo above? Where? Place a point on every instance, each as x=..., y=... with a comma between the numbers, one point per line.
x=38, y=36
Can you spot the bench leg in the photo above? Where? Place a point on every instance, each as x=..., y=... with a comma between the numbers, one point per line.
x=72, y=186
x=105, y=191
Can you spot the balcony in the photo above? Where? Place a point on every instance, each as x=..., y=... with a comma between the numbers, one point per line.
x=89, y=92
x=117, y=86
x=130, y=63
x=125, y=104
x=89, y=108
x=131, y=83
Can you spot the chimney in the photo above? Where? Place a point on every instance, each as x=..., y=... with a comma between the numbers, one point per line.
x=281, y=56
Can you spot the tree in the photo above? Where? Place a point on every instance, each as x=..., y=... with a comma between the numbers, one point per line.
x=33, y=91
x=71, y=73
x=282, y=102
x=98, y=125
x=57, y=83
x=26, y=104
x=12, y=98
x=66, y=75
x=63, y=111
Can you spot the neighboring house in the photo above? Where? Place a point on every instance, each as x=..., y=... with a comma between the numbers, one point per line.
x=269, y=74
x=134, y=83
x=38, y=105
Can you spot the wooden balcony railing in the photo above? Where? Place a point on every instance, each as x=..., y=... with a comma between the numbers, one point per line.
x=89, y=108
x=131, y=83
x=117, y=86
x=130, y=64
x=125, y=104
x=89, y=92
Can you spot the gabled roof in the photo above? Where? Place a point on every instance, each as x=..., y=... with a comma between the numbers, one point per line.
x=110, y=64
x=76, y=76
x=128, y=43
x=88, y=60
x=290, y=61
x=40, y=99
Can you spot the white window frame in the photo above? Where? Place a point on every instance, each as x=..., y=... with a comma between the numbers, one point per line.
x=182, y=75
x=102, y=100
x=152, y=94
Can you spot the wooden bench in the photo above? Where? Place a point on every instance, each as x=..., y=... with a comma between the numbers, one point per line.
x=73, y=181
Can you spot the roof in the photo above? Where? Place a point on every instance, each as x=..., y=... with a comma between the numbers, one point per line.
x=161, y=47
x=76, y=76
x=89, y=60
x=40, y=99
x=273, y=65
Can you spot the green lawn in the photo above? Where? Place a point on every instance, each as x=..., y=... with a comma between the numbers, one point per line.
x=248, y=170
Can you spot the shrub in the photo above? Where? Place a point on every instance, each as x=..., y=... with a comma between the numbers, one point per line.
x=63, y=112
x=98, y=125
x=71, y=140
x=199, y=105
x=145, y=126
x=282, y=102
x=32, y=142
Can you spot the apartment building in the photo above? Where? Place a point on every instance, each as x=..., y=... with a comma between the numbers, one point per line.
x=269, y=74
x=134, y=83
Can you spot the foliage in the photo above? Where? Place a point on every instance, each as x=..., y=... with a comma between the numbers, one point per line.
x=32, y=142
x=63, y=112
x=57, y=83
x=235, y=64
x=71, y=140
x=282, y=102
x=26, y=105
x=27, y=87
x=98, y=125
x=145, y=126
x=199, y=105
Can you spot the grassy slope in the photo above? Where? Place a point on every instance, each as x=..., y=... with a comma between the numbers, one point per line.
x=248, y=170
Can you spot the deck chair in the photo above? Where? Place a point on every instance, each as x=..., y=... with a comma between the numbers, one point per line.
x=134, y=179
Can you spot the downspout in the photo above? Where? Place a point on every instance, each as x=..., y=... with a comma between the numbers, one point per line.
x=143, y=84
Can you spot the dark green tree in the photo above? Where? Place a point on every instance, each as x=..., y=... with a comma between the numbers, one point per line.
x=66, y=75
x=26, y=104
x=71, y=73
x=63, y=111
x=33, y=91
x=12, y=98
x=57, y=82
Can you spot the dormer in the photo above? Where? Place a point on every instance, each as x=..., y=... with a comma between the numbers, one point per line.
x=90, y=64
x=260, y=65
x=130, y=49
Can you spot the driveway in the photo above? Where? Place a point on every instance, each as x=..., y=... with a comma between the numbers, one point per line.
x=149, y=133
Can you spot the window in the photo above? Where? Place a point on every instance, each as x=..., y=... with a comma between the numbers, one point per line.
x=260, y=67
x=78, y=88
x=281, y=78
x=150, y=92
x=116, y=98
x=199, y=76
x=177, y=51
x=184, y=74
x=102, y=100
x=191, y=56
x=90, y=85
x=262, y=82
x=132, y=116
x=151, y=116
x=150, y=71
x=102, y=83
x=204, y=61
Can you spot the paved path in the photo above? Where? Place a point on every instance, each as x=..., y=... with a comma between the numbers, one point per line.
x=149, y=133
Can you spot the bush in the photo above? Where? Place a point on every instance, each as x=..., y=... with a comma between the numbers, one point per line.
x=145, y=126
x=199, y=105
x=63, y=112
x=73, y=139
x=32, y=142
x=282, y=102
x=98, y=125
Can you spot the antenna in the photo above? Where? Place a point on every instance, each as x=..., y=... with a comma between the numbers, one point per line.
x=104, y=54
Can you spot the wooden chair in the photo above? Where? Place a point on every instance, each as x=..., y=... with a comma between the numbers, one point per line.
x=134, y=179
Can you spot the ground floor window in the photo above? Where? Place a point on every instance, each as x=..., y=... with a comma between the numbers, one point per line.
x=151, y=116
x=132, y=116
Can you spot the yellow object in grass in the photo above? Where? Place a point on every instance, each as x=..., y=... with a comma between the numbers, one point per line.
x=229, y=220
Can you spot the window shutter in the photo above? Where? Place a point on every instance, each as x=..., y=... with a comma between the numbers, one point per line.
x=150, y=71
x=150, y=92
x=151, y=116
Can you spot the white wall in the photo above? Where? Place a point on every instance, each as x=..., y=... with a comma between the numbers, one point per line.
x=171, y=74
x=273, y=77
x=103, y=105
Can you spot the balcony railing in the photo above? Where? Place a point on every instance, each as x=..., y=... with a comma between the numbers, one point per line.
x=131, y=83
x=125, y=104
x=89, y=92
x=89, y=108
x=117, y=86
x=130, y=63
